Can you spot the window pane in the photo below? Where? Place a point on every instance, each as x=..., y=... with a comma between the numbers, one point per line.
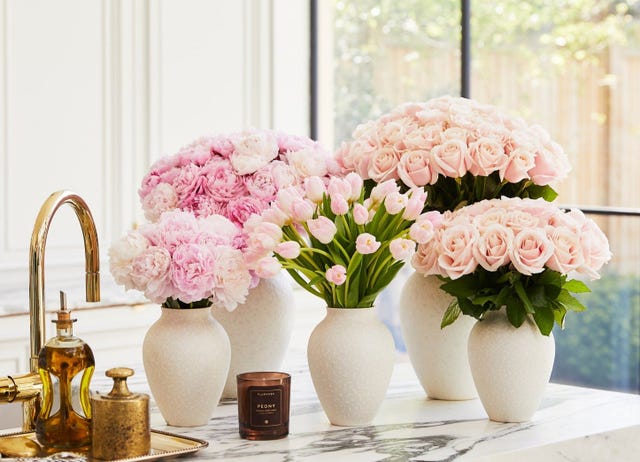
x=573, y=67
x=387, y=52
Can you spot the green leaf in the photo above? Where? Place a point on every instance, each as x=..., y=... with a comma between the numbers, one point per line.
x=546, y=192
x=544, y=318
x=461, y=287
x=452, y=313
x=522, y=294
x=570, y=302
x=559, y=313
x=516, y=314
x=576, y=286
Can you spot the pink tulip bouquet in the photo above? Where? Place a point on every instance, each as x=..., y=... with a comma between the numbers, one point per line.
x=516, y=253
x=336, y=243
x=182, y=261
x=233, y=175
x=458, y=150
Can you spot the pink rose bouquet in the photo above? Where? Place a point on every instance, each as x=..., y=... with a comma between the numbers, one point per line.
x=336, y=243
x=184, y=262
x=458, y=150
x=516, y=253
x=234, y=176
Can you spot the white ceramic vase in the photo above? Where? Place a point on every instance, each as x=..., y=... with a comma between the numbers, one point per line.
x=439, y=356
x=186, y=356
x=259, y=329
x=351, y=356
x=511, y=366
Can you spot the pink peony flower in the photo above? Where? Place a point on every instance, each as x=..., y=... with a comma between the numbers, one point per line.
x=192, y=272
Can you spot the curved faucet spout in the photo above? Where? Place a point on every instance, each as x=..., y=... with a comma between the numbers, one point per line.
x=36, y=262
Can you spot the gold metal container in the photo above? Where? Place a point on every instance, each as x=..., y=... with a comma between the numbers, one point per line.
x=120, y=426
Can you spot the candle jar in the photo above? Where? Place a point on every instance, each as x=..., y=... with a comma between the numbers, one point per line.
x=263, y=405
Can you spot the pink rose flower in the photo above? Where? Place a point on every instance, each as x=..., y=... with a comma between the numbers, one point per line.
x=487, y=156
x=414, y=169
x=518, y=165
x=531, y=250
x=383, y=165
x=457, y=244
x=567, y=251
x=425, y=260
x=450, y=158
x=493, y=247
x=337, y=274
x=366, y=244
x=596, y=250
x=322, y=229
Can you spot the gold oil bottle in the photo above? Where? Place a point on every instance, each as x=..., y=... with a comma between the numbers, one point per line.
x=59, y=425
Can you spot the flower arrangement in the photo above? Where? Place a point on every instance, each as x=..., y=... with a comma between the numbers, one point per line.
x=516, y=253
x=182, y=261
x=336, y=243
x=233, y=175
x=459, y=150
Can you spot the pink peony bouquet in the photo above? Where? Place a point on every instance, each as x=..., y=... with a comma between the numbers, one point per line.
x=335, y=243
x=458, y=150
x=234, y=176
x=516, y=253
x=182, y=261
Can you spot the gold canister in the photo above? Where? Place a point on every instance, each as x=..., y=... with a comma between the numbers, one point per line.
x=120, y=426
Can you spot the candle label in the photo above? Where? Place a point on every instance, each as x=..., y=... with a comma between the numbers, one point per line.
x=265, y=406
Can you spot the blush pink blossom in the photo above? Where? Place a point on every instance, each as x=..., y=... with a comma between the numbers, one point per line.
x=314, y=188
x=395, y=203
x=288, y=249
x=531, y=250
x=366, y=244
x=360, y=214
x=567, y=252
x=337, y=274
x=493, y=247
x=402, y=249
x=457, y=244
x=322, y=229
x=339, y=204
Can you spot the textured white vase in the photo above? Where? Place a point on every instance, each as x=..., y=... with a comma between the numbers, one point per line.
x=186, y=356
x=259, y=329
x=351, y=356
x=511, y=366
x=439, y=356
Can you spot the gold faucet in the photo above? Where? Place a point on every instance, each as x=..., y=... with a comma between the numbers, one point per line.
x=26, y=388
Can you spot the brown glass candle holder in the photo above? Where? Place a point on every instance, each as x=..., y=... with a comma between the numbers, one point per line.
x=263, y=405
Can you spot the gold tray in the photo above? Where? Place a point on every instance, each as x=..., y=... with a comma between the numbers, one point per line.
x=24, y=445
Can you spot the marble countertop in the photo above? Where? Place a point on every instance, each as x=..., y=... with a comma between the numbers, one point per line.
x=572, y=423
